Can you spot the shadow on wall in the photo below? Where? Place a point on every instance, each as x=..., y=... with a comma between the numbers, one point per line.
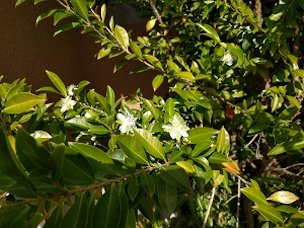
x=27, y=51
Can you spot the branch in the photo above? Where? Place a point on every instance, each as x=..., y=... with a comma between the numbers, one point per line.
x=155, y=11
x=209, y=207
x=258, y=11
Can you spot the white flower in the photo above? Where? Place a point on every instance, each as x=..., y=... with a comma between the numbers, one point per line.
x=228, y=58
x=127, y=122
x=177, y=128
x=71, y=89
x=67, y=104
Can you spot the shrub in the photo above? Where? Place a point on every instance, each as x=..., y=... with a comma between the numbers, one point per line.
x=224, y=148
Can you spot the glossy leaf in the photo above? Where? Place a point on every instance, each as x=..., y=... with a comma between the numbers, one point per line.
x=157, y=81
x=152, y=145
x=22, y=102
x=58, y=83
x=269, y=212
x=197, y=135
x=187, y=166
x=122, y=36
x=223, y=141
x=294, y=144
x=81, y=8
x=92, y=152
x=254, y=195
x=112, y=209
x=133, y=149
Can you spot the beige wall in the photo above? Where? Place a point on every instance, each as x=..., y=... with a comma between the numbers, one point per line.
x=27, y=51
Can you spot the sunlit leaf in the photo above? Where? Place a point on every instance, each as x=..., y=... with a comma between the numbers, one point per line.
x=152, y=145
x=284, y=197
x=22, y=102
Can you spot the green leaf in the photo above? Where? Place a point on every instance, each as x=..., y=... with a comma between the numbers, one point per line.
x=151, y=107
x=296, y=143
x=283, y=197
x=9, y=165
x=81, y=8
x=197, y=135
x=186, y=75
x=218, y=158
x=154, y=61
x=77, y=171
x=136, y=49
x=22, y=102
x=76, y=217
x=298, y=72
x=122, y=36
x=175, y=176
x=56, y=218
x=66, y=27
x=56, y=162
x=152, y=145
x=173, y=66
x=103, y=52
x=110, y=95
x=103, y=12
x=201, y=146
x=92, y=152
x=58, y=83
x=148, y=183
x=210, y=32
x=157, y=81
x=223, y=141
x=112, y=209
x=254, y=195
x=60, y=15
x=169, y=110
x=269, y=212
x=120, y=65
x=41, y=136
x=30, y=154
x=133, y=149
x=45, y=15
x=187, y=166
x=19, y=2
x=167, y=197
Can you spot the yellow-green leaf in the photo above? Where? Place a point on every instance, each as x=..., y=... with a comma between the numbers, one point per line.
x=150, y=24
x=58, y=83
x=186, y=75
x=22, y=102
x=187, y=166
x=223, y=141
x=157, y=81
x=122, y=36
x=284, y=197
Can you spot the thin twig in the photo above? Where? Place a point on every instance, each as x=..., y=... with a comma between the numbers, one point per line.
x=251, y=141
x=209, y=207
x=238, y=203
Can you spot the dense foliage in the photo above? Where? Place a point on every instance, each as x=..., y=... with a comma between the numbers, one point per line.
x=224, y=147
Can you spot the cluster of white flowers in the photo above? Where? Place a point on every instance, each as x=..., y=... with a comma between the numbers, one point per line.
x=177, y=127
x=228, y=58
x=68, y=103
x=127, y=122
